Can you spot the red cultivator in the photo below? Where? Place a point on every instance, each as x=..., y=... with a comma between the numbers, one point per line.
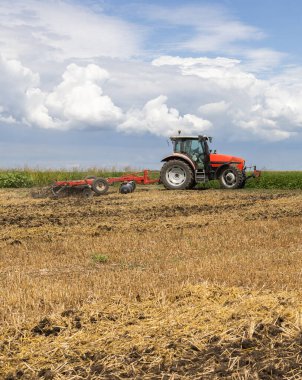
x=100, y=186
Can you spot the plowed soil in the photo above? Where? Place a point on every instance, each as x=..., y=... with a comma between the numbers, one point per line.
x=201, y=284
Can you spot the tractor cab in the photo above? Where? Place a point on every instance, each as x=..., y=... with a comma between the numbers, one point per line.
x=195, y=147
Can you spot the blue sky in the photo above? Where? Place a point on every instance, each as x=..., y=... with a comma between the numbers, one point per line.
x=105, y=83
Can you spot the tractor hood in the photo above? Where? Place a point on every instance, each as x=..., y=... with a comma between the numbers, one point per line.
x=220, y=159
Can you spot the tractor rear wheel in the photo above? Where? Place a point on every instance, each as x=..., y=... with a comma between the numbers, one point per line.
x=231, y=178
x=193, y=184
x=177, y=175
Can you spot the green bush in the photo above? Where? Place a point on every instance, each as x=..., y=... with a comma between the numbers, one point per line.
x=15, y=179
x=99, y=258
x=277, y=180
x=268, y=180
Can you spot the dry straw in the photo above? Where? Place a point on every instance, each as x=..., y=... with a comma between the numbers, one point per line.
x=195, y=285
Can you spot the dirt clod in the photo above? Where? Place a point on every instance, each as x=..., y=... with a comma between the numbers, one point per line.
x=46, y=374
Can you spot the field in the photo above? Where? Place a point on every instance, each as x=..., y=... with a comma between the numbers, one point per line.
x=201, y=284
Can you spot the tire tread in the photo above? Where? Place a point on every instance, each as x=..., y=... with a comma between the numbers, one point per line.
x=189, y=182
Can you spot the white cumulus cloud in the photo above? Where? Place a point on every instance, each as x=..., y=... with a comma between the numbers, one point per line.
x=214, y=108
x=157, y=118
x=215, y=95
x=241, y=103
x=79, y=101
x=15, y=80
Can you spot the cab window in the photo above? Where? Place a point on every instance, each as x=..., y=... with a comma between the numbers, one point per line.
x=177, y=146
x=196, y=147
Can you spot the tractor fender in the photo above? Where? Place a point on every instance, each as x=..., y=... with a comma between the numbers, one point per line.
x=179, y=156
x=221, y=168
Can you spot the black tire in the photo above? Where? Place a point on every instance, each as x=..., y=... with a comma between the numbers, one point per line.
x=177, y=175
x=242, y=183
x=193, y=184
x=100, y=186
x=231, y=178
x=125, y=188
x=133, y=183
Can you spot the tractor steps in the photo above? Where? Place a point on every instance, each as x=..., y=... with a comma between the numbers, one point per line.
x=200, y=176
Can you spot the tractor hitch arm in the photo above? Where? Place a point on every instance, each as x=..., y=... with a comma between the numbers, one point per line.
x=255, y=173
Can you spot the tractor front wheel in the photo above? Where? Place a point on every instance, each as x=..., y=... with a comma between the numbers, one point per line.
x=176, y=175
x=231, y=178
x=242, y=185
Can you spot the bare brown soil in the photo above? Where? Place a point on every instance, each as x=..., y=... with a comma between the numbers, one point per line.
x=202, y=284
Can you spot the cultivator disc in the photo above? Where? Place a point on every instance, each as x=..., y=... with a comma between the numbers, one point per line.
x=43, y=192
x=55, y=192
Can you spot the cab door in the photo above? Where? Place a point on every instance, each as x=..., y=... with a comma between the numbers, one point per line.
x=195, y=151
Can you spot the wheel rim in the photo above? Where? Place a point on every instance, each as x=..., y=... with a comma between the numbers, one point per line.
x=176, y=176
x=100, y=186
x=229, y=178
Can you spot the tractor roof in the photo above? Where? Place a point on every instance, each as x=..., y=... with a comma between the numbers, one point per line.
x=199, y=137
x=184, y=137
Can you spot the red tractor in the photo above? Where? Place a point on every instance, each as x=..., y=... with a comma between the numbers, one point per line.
x=193, y=162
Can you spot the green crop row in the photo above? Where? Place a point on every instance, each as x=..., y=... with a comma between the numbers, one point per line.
x=30, y=178
x=270, y=180
x=277, y=180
